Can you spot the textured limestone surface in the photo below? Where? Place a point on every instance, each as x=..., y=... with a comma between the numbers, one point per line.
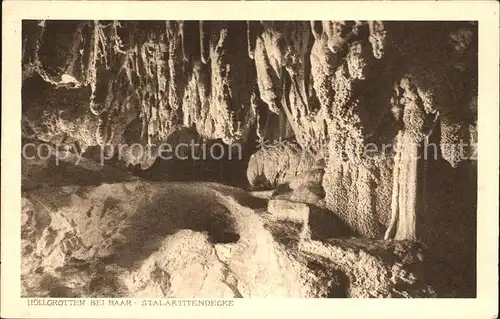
x=318, y=82
x=137, y=238
x=167, y=239
x=277, y=164
x=334, y=114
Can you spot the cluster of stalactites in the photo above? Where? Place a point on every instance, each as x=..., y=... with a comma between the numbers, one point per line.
x=90, y=50
x=307, y=73
x=306, y=70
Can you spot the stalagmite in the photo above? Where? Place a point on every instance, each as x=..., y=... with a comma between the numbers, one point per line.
x=389, y=233
x=408, y=209
x=406, y=198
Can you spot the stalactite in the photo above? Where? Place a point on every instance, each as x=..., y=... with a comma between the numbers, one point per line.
x=337, y=34
x=176, y=65
x=313, y=82
x=267, y=80
x=316, y=29
x=297, y=44
x=204, y=41
x=286, y=104
x=184, y=46
x=252, y=34
x=377, y=38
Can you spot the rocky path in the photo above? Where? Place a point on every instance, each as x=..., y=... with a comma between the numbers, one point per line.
x=167, y=239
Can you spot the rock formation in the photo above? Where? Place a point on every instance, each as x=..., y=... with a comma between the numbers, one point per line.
x=373, y=122
x=173, y=239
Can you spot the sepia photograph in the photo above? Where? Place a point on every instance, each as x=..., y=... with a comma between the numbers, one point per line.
x=212, y=160
x=319, y=159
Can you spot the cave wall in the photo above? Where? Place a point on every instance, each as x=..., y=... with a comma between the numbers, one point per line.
x=331, y=87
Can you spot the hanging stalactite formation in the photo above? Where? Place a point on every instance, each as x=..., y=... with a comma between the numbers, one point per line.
x=330, y=87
